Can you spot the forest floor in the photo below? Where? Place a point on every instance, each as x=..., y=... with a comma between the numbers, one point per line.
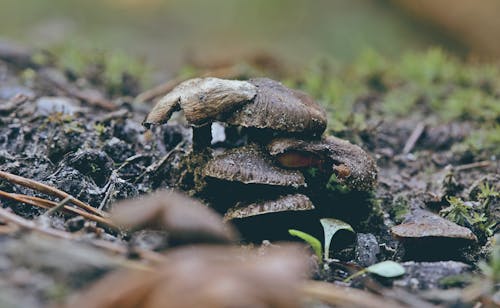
x=72, y=120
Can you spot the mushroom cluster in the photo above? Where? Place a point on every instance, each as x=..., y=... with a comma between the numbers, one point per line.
x=271, y=171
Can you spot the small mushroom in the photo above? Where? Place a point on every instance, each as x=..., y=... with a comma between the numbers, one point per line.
x=250, y=165
x=286, y=212
x=352, y=166
x=185, y=219
x=427, y=232
x=279, y=108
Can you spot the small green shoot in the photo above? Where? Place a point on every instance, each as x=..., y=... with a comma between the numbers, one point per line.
x=330, y=227
x=387, y=269
x=311, y=240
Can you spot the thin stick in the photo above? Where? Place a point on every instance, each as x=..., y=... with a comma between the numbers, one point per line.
x=47, y=204
x=344, y=296
x=415, y=135
x=162, y=89
x=58, y=206
x=73, y=91
x=28, y=224
x=47, y=189
x=113, y=247
x=159, y=163
x=159, y=90
x=479, y=164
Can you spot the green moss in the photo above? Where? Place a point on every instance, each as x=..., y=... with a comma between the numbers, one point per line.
x=399, y=209
x=474, y=217
x=430, y=85
x=117, y=72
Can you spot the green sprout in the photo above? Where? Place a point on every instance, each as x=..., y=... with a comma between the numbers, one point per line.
x=311, y=240
x=330, y=227
x=387, y=269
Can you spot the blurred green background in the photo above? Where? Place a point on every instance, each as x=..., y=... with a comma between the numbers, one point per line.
x=168, y=33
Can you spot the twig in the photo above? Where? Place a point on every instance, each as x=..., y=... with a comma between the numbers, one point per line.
x=162, y=89
x=13, y=103
x=415, y=135
x=27, y=224
x=58, y=206
x=159, y=163
x=75, y=92
x=47, y=189
x=109, y=188
x=344, y=296
x=15, y=54
x=129, y=160
x=479, y=164
x=113, y=247
x=47, y=204
x=159, y=90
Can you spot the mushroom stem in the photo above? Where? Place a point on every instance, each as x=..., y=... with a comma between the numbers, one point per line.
x=202, y=137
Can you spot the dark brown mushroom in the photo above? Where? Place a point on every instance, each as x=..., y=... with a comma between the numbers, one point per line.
x=279, y=108
x=427, y=235
x=185, y=219
x=207, y=276
x=422, y=224
x=250, y=165
x=272, y=218
x=352, y=166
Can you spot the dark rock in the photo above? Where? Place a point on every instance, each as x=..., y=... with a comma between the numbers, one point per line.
x=75, y=224
x=47, y=105
x=427, y=275
x=118, y=150
x=367, y=249
x=76, y=184
x=93, y=163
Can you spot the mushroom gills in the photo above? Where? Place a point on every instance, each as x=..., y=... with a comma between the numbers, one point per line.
x=250, y=165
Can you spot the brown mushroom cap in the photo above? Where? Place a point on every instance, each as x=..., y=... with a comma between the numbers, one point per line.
x=184, y=218
x=250, y=165
x=279, y=108
x=296, y=202
x=353, y=166
x=423, y=224
x=203, y=100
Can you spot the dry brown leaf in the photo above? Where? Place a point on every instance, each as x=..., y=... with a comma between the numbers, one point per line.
x=207, y=276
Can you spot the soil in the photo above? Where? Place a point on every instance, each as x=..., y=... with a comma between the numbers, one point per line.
x=100, y=156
